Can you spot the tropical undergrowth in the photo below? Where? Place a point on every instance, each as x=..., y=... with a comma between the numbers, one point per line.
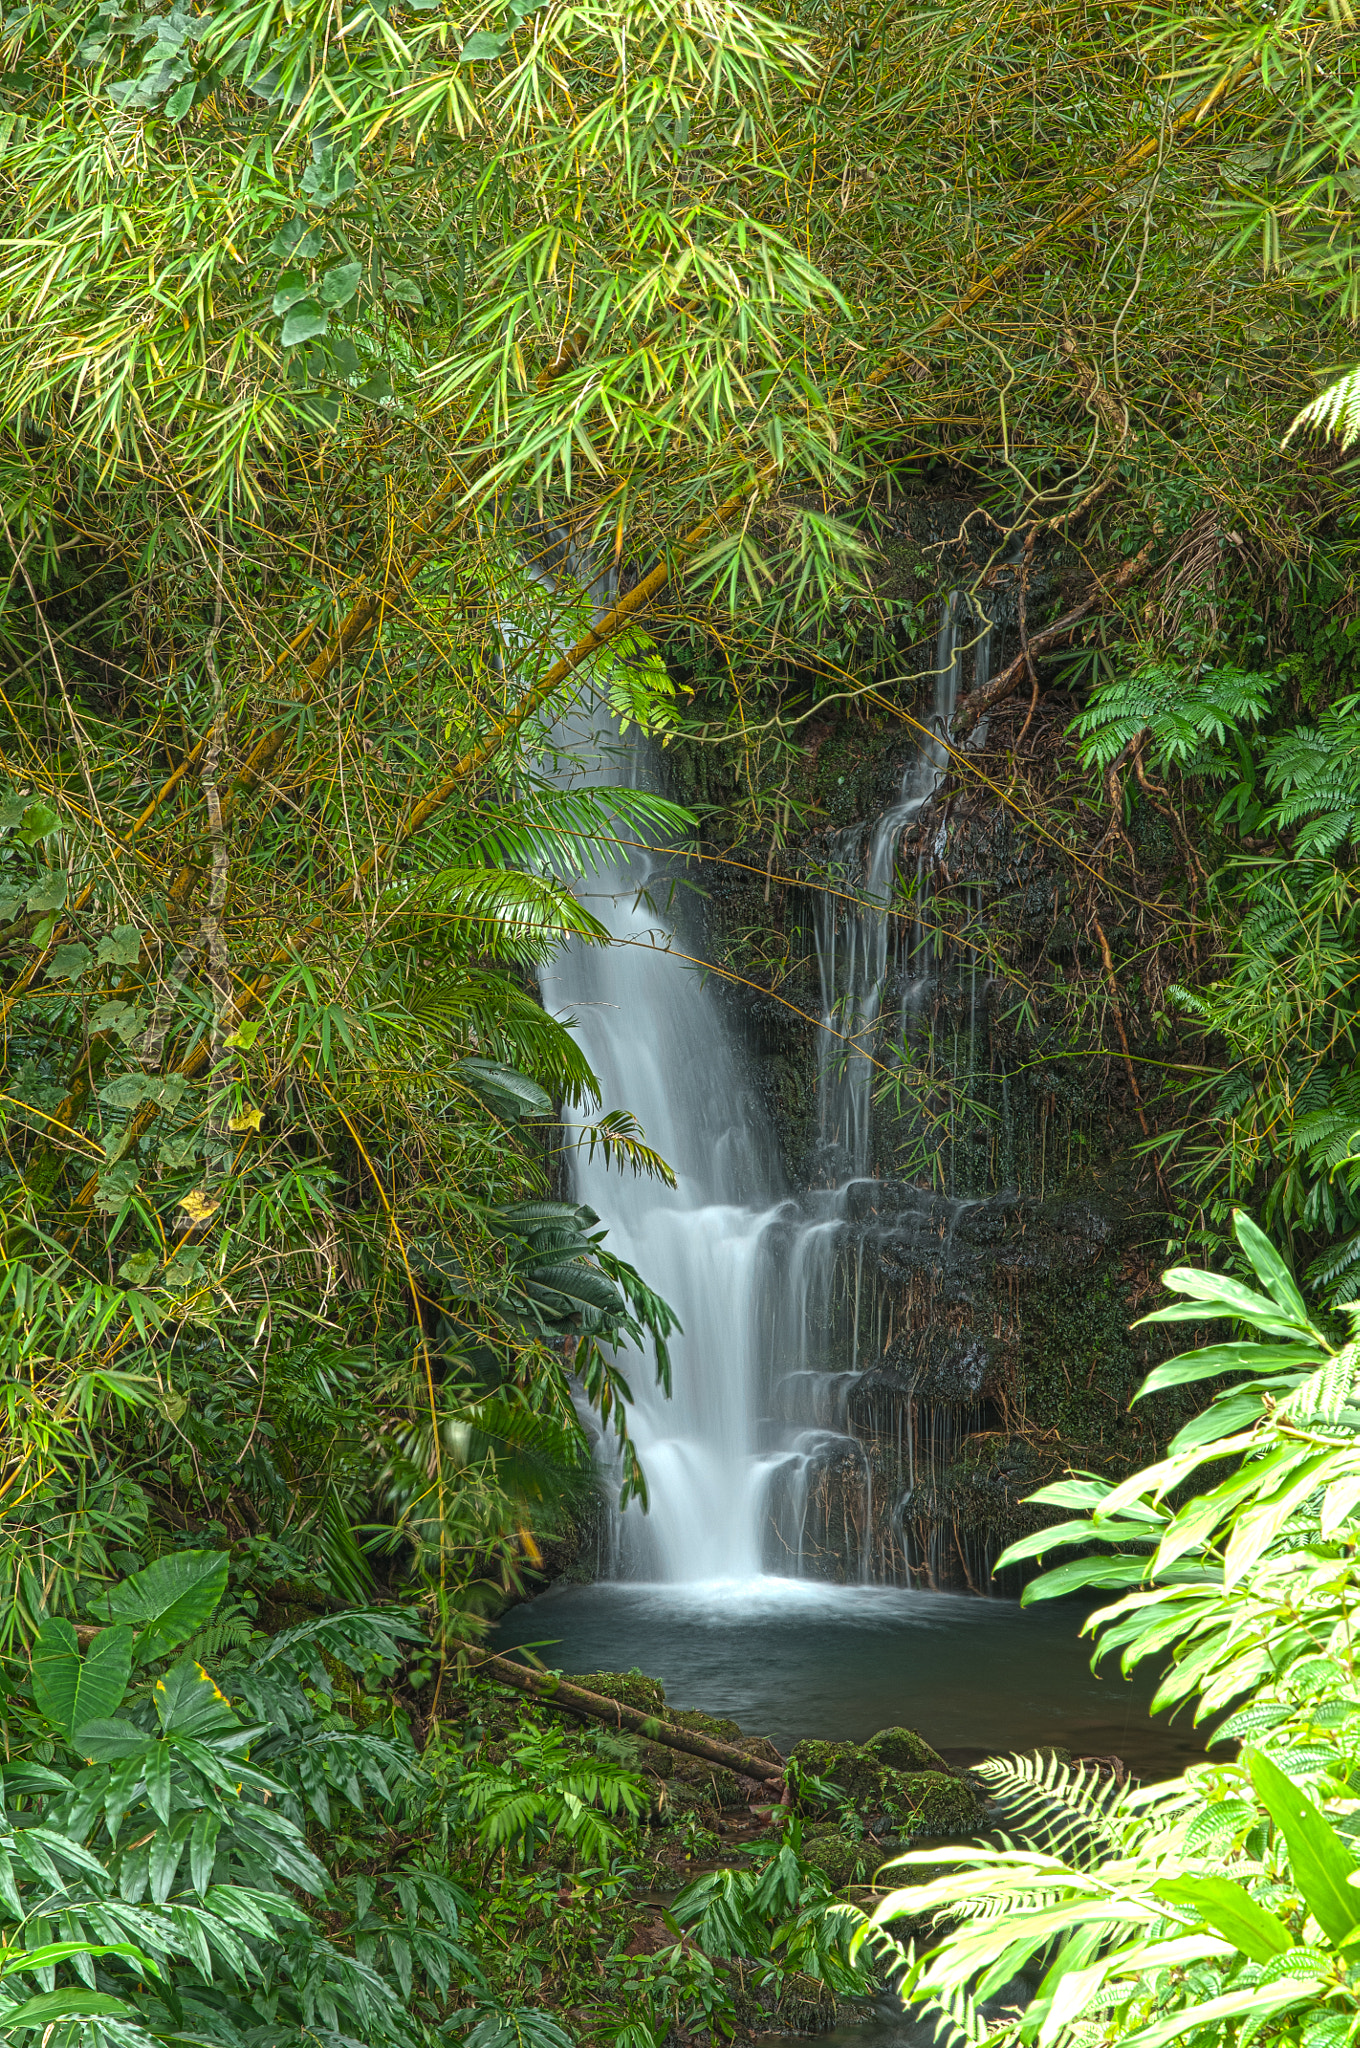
x=209, y=1830
x=1220, y=1905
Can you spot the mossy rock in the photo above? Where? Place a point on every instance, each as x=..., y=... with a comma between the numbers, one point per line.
x=935, y=1802
x=630, y=1688
x=719, y=1785
x=684, y=1802
x=713, y=1725
x=806, y=2005
x=902, y=1749
x=836, y=1856
x=845, y=1765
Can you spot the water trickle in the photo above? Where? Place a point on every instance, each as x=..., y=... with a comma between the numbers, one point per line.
x=853, y=918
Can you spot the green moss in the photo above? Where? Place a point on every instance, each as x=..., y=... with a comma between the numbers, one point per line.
x=632, y=1688
x=902, y=1749
x=842, y=1764
x=840, y=1860
x=713, y=1725
x=935, y=1803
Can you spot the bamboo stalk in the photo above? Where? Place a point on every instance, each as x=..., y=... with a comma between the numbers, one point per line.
x=557, y=1691
x=590, y=643
x=1120, y=171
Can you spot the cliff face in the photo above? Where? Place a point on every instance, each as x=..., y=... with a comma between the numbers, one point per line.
x=971, y=1230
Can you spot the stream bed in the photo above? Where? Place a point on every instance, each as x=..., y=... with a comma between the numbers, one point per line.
x=792, y=1658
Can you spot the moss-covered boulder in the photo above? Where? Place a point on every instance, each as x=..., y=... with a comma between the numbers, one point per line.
x=716, y=1726
x=718, y=1785
x=632, y=1688
x=902, y=1749
x=840, y=1860
x=934, y=1802
x=847, y=1766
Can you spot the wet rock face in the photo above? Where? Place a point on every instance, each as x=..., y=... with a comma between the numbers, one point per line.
x=926, y=1350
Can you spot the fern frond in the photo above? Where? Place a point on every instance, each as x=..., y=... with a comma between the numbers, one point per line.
x=1335, y=411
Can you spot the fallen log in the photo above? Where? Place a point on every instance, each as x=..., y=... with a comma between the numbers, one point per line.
x=556, y=1691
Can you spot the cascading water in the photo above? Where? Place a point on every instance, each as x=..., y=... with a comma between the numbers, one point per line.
x=854, y=953
x=655, y=1038
x=756, y=1463
x=820, y=1482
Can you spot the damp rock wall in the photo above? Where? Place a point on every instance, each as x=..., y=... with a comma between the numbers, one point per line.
x=952, y=1289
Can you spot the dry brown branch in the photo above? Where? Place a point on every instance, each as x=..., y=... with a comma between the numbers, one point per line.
x=971, y=708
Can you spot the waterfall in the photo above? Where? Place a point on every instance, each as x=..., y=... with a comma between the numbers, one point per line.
x=854, y=952
x=756, y=1462
x=654, y=1035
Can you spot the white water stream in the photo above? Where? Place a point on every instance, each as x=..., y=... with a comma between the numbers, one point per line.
x=730, y=1458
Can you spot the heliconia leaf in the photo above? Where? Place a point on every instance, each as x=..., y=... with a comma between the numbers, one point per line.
x=166, y=1851
x=1228, y=1909
x=1269, y=1267
x=189, y=1702
x=70, y=1689
x=203, y=1850
x=1322, y=1864
x=1214, y=1359
x=171, y=1600
x=50, y=2008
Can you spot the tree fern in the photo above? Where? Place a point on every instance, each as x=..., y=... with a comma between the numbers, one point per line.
x=1187, y=714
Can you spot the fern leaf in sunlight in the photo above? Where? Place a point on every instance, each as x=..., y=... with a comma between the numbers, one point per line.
x=1335, y=411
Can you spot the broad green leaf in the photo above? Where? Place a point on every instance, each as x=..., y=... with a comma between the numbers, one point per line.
x=304, y=323
x=1224, y=1297
x=49, y=891
x=50, y=1952
x=340, y=283
x=189, y=1702
x=203, y=1850
x=1322, y=1865
x=70, y=1689
x=121, y=947
x=1232, y=1912
x=1269, y=1267
x=171, y=1600
x=107, y=1742
x=510, y=1094
x=50, y=2008
x=38, y=821
x=68, y=963
x=1215, y=1359
x=291, y=290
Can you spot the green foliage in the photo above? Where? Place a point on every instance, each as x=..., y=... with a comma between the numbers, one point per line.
x=1176, y=710
x=1225, y=1900
x=775, y=1915
x=155, y=1871
x=541, y=1792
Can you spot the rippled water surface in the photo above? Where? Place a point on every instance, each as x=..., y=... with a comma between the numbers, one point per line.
x=793, y=1658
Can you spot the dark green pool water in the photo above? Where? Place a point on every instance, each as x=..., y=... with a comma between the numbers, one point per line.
x=792, y=1658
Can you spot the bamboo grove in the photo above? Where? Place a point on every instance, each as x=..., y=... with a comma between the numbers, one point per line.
x=346, y=357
